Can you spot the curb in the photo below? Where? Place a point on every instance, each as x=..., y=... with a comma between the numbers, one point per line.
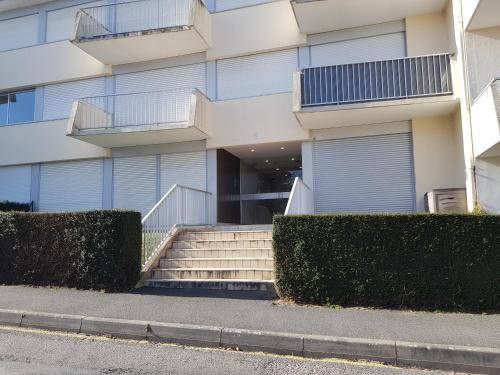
x=446, y=357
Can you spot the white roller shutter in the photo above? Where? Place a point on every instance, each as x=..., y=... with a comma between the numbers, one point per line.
x=19, y=32
x=262, y=74
x=222, y=5
x=380, y=47
x=134, y=183
x=188, y=169
x=59, y=98
x=60, y=22
x=71, y=186
x=364, y=174
x=15, y=184
x=186, y=76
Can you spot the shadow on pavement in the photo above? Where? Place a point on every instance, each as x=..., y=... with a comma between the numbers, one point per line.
x=207, y=293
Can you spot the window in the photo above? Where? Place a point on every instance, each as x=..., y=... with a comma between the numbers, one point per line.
x=17, y=107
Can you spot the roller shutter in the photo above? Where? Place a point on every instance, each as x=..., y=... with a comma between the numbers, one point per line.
x=60, y=22
x=134, y=183
x=19, y=32
x=15, y=184
x=186, y=76
x=262, y=74
x=188, y=169
x=71, y=186
x=380, y=47
x=364, y=174
x=222, y=5
x=59, y=99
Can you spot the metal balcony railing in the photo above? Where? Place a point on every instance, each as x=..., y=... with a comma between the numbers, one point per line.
x=404, y=78
x=135, y=16
x=149, y=108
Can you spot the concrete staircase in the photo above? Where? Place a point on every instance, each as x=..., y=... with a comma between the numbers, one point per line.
x=221, y=257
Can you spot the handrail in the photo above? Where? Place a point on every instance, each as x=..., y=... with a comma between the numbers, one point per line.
x=301, y=200
x=136, y=16
x=181, y=205
x=402, y=78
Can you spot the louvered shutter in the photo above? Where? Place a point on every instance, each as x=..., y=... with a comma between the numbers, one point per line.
x=380, y=47
x=222, y=5
x=19, y=32
x=364, y=174
x=71, y=186
x=15, y=183
x=134, y=183
x=262, y=74
x=59, y=98
x=188, y=169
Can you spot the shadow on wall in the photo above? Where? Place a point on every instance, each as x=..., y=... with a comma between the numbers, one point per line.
x=488, y=181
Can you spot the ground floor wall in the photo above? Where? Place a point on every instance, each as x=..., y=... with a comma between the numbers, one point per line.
x=488, y=184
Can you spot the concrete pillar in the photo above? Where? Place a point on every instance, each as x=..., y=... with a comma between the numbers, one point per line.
x=212, y=182
x=35, y=186
x=304, y=57
x=42, y=26
x=107, y=184
x=307, y=165
x=158, y=177
x=212, y=80
x=39, y=102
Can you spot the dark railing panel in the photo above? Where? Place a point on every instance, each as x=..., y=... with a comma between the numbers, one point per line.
x=379, y=80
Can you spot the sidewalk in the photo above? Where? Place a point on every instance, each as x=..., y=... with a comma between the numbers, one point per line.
x=235, y=311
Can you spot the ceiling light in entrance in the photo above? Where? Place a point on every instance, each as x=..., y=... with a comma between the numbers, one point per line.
x=252, y=150
x=282, y=148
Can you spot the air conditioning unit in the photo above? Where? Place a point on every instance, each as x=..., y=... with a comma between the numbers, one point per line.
x=446, y=201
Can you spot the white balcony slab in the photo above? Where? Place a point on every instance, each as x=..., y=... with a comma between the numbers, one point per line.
x=480, y=14
x=486, y=122
x=317, y=16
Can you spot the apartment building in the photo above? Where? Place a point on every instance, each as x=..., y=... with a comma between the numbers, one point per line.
x=110, y=103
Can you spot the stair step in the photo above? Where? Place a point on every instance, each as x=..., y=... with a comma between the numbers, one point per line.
x=213, y=273
x=218, y=284
x=222, y=244
x=220, y=253
x=218, y=263
x=226, y=235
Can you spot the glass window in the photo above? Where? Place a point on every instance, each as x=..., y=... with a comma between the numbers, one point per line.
x=17, y=107
x=3, y=109
x=21, y=106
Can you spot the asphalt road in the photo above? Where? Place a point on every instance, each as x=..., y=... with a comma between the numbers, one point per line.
x=25, y=351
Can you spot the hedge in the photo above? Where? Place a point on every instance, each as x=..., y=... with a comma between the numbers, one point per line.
x=6, y=206
x=87, y=250
x=421, y=261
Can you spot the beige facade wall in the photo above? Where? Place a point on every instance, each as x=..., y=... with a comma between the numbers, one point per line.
x=254, y=29
x=42, y=142
x=438, y=155
x=261, y=119
x=428, y=34
x=47, y=63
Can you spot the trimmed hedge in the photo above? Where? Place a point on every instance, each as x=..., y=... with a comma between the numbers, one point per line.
x=7, y=206
x=87, y=250
x=449, y=262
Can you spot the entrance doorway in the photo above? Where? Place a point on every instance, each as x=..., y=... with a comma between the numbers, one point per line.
x=254, y=181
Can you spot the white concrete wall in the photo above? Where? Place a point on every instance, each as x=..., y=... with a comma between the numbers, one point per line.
x=43, y=142
x=438, y=156
x=486, y=120
x=488, y=184
x=47, y=63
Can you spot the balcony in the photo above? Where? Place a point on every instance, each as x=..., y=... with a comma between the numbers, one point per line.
x=318, y=16
x=179, y=115
x=486, y=121
x=374, y=92
x=480, y=14
x=143, y=30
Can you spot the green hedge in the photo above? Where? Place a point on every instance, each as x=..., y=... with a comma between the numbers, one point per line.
x=88, y=250
x=404, y=261
x=6, y=206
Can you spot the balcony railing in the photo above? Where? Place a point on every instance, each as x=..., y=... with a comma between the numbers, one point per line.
x=136, y=16
x=170, y=108
x=405, y=78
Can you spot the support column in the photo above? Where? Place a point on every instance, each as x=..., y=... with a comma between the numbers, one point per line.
x=212, y=80
x=107, y=184
x=212, y=183
x=307, y=165
x=35, y=186
x=304, y=57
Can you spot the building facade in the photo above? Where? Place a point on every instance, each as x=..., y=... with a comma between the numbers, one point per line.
x=110, y=103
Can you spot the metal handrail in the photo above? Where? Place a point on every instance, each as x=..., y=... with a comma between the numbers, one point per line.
x=134, y=16
x=180, y=206
x=408, y=77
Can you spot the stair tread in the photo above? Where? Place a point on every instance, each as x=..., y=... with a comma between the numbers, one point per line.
x=222, y=248
x=212, y=280
x=213, y=269
x=227, y=231
x=212, y=259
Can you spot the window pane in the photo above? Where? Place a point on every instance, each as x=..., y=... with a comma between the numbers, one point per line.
x=21, y=107
x=3, y=109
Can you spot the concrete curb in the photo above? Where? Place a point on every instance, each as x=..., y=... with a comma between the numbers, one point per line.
x=446, y=357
